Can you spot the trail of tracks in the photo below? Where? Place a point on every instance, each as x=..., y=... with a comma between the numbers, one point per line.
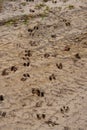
x=49, y=55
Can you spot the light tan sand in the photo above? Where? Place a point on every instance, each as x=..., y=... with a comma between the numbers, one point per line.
x=54, y=67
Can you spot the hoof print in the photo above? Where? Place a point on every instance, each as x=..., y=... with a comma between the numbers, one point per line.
x=59, y=66
x=33, y=91
x=42, y=94
x=14, y=68
x=51, y=123
x=5, y=72
x=67, y=48
x=53, y=35
x=52, y=77
x=38, y=117
x=39, y=104
x=64, y=109
x=32, y=10
x=2, y=114
x=46, y=55
x=25, y=77
x=1, y=97
x=28, y=53
x=67, y=23
x=26, y=64
x=41, y=116
x=33, y=27
x=77, y=56
x=37, y=92
x=66, y=128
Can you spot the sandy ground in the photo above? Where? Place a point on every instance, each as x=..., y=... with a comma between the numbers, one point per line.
x=43, y=65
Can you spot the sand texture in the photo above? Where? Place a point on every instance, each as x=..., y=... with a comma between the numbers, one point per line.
x=43, y=65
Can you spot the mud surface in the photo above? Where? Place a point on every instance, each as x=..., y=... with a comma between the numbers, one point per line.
x=43, y=65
